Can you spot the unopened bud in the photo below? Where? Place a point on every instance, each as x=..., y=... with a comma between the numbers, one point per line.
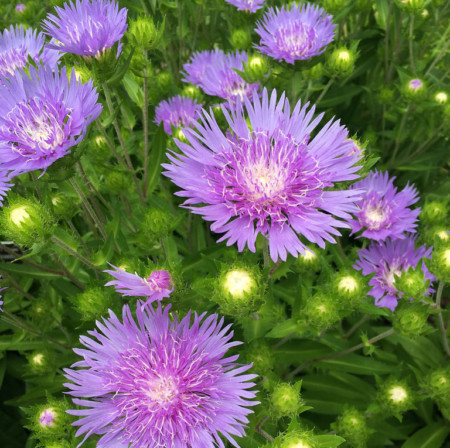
x=240, y=39
x=261, y=355
x=410, y=319
x=434, y=212
x=342, y=61
x=395, y=397
x=414, y=89
x=117, y=182
x=321, y=311
x=441, y=97
x=285, y=399
x=412, y=6
x=164, y=81
x=143, y=33
x=352, y=425
x=193, y=92
x=92, y=303
x=256, y=68
x=385, y=95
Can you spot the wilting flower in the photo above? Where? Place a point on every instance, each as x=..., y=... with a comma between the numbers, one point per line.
x=387, y=259
x=17, y=45
x=213, y=71
x=267, y=175
x=88, y=27
x=160, y=382
x=293, y=33
x=42, y=115
x=247, y=5
x=384, y=211
x=155, y=287
x=177, y=111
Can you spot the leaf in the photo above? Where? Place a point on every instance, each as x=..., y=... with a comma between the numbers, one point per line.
x=156, y=156
x=283, y=329
x=357, y=364
x=134, y=90
x=340, y=95
x=27, y=271
x=327, y=441
x=431, y=436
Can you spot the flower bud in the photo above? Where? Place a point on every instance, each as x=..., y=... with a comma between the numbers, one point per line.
x=49, y=420
x=25, y=221
x=238, y=290
x=334, y=6
x=157, y=223
x=297, y=439
x=309, y=261
x=437, y=384
x=410, y=319
x=342, y=61
x=143, y=33
x=193, y=92
x=179, y=135
x=352, y=425
x=64, y=206
x=412, y=6
x=261, y=355
x=164, y=81
x=414, y=89
x=395, y=397
x=240, y=39
x=412, y=282
x=349, y=288
x=285, y=400
x=385, y=95
x=117, y=182
x=40, y=362
x=440, y=263
x=20, y=8
x=434, y=212
x=321, y=311
x=256, y=68
x=92, y=303
x=441, y=97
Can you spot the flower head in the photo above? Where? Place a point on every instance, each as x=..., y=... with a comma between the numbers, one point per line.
x=384, y=211
x=42, y=115
x=160, y=382
x=176, y=111
x=47, y=417
x=295, y=32
x=20, y=7
x=267, y=175
x=17, y=45
x=213, y=71
x=154, y=287
x=88, y=27
x=415, y=84
x=386, y=260
x=4, y=185
x=247, y=5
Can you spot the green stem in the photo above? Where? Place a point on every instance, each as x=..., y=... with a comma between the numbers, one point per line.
x=441, y=319
x=410, y=44
x=356, y=326
x=325, y=90
x=145, y=124
x=70, y=251
x=400, y=134
x=342, y=353
x=67, y=273
x=266, y=253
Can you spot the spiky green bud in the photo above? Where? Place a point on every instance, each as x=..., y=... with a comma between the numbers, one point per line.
x=352, y=425
x=92, y=303
x=240, y=39
x=143, y=33
x=285, y=400
x=410, y=319
x=342, y=61
x=395, y=397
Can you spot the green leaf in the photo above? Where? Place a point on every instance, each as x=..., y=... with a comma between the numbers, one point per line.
x=431, y=436
x=134, y=90
x=27, y=271
x=327, y=441
x=156, y=157
x=283, y=329
x=340, y=95
x=357, y=364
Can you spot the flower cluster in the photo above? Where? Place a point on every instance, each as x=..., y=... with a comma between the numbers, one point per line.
x=247, y=5
x=267, y=175
x=214, y=72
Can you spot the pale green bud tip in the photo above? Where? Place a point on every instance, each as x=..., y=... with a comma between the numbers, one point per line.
x=446, y=258
x=238, y=282
x=37, y=359
x=19, y=215
x=441, y=97
x=397, y=394
x=348, y=284
x=308, y=256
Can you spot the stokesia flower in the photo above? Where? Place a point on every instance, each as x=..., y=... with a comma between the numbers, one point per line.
x=214, y=73
x=384, y=211
x=247, y=5
x=388, y=259
x=177, y=111
x=155, y=287
x=88, y=27
x=17, y=45
x=295, y=32
x=160, y=382
x=267, y=175
x=42, y=115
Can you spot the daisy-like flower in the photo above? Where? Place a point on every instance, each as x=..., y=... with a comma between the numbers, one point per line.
x=155, y=287
x=88, y=27
x=160, y=382
x=17, y=45
x=42, y=115
x=247, y=5
x=384, y=211
x=177, y=111
x=214, y=73
x=295, y=32
x=387, y=259
x=267, y=175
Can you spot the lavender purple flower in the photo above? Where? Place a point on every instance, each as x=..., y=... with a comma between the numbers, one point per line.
x=4, y=185
x=294, y=33
x=247, y=5
x=177, y=111
x=88, y=27
x=155, y=287
x=267, y=175
x=384, y=211
x=20, y=7
x=160, y=382
x=17, y=45
x=213, y=71
x=42, y=115
x=387, y=259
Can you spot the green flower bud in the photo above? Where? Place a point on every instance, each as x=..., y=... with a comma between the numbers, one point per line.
x=64, y=206
x=193, y=92
x=412, y=282
x=410, y=319
x=297, y=439
x=352, y=425
x=164, y=81
x=82, y=73
x=342, y=61
x=143, y=33
x=117, y=182
x=261, y=355
x=238, y=290
x=285, y=400
x=256, y=68
x=385, y=95
x=99, y=150
x=321, y=311
x=240, y=39
x=25, y=221
x=157, y=223
x=441, y=97
x=92, y=303
x=349, y=288
x=58, y=444
x=334, y=6
x=434, y=212
x=437, y=384
x=309, y=261
x=395, y=397
x=414, y=89
x=439, y=264
x=412, y=6
x=40, y=362
x=179, y=135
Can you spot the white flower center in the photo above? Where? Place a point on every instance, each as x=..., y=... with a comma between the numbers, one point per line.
x=398, y=394
x=238, y=282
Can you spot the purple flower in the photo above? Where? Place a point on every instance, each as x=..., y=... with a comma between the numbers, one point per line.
x=247, y=5
x=87, y=28
x=295, y=33
x=47, y=417
x=415, y=84
x=213, y=71
x=387, y=259
x=267, y=175
x=177, y=111
x=160, y=382
x=154, y=287
x=384, y=211
x=4, y=185
x=20, y=7
x=41, y=117
x=17, y=45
